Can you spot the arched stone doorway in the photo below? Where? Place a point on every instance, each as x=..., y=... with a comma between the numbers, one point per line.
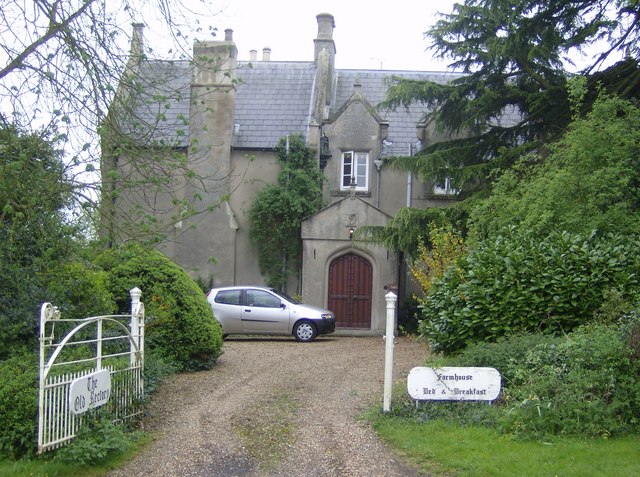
x=350, y=286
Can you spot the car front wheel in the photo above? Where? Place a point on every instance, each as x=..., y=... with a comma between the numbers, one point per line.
x=304, y=331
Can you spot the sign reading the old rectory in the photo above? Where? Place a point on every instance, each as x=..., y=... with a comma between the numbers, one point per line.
x=454, y=384
x=90, y=391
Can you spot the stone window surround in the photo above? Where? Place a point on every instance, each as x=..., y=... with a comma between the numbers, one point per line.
x=362, y=177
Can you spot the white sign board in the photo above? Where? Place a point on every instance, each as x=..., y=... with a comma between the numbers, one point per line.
x=90, y=391
x=454, y=384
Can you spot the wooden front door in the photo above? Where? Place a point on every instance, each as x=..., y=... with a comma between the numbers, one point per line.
x=350, y=291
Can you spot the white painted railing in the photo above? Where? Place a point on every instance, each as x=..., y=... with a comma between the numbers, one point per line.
x=76, y=349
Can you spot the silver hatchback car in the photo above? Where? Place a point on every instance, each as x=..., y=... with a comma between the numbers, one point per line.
x=261, y=310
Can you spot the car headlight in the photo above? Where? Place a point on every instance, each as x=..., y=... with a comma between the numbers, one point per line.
x=325, y=316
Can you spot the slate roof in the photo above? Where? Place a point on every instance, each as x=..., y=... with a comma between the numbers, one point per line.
x=161, y=109
x=374, y=85
x=273, y=99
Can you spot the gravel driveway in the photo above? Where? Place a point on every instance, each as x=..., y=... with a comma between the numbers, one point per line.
x=275, y=407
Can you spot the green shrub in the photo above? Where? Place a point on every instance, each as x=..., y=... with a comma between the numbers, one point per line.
x=508, y=355
x=80, y=291
x=156, y=370
x=18, y=406
x=582, y=384
x=518, y=283
x=95, y=442
x=586, y=386
x=408, y=317
x=181, y=329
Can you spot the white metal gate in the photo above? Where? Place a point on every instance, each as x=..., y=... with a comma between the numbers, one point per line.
x=73, y=349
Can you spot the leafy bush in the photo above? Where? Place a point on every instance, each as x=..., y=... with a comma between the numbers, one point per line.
x=508, y=355
x=408, y=317
x=80, y=291
x=586, y=386
x=518, y=283
x=155, y=371
x=18, y=405
x=581, y=384
x=95, y=442
x=445, y=248
x=181, y=328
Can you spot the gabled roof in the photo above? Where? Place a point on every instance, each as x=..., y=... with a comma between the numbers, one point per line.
x=273, y=99
x=374, y=85
x=329, y=222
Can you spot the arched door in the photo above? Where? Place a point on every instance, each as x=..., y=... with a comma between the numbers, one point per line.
x=350, y=278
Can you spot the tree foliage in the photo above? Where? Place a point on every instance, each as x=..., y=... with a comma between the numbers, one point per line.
x=63, y=61
x=511, y=95
x=405, y=231
x=588, y=182
x=446, y=247
x=66, y=56
x=35, y=230
x=277, y=211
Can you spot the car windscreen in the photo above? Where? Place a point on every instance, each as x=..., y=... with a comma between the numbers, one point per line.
x=286, y=297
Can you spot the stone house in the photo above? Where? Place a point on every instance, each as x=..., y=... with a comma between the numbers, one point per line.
x=223, y=118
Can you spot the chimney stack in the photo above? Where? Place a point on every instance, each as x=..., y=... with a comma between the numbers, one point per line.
x=324, y=40
x=137, y=41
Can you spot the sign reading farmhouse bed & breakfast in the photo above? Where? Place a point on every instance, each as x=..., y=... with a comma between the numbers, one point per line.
x=454, y=384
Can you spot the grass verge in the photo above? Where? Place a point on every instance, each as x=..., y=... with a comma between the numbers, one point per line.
x=444, y=449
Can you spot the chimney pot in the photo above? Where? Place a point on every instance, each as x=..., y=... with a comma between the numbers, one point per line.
x=253, y=56
x=266, y=54
x=326, y=25
x=228, y=34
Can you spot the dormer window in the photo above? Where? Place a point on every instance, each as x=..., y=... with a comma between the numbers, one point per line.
x=355, y=165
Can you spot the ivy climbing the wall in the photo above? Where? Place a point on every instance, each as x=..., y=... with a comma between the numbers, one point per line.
x=278, y=209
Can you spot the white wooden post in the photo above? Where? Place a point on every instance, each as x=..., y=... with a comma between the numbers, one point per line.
x=135, y=293
x=388, y=355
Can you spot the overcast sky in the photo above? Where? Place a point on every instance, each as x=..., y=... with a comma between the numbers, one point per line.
x=369, y=35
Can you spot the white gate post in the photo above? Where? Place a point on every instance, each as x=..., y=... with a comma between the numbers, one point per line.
x=135, y=293
x=388, y=355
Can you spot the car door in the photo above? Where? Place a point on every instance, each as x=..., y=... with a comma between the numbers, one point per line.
x=263, y=312
x=228, y=310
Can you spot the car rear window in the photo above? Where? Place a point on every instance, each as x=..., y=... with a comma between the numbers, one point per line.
x=228, y=297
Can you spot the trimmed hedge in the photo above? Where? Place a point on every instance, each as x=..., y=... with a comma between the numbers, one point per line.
x=181, y=329
x=519, y=283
